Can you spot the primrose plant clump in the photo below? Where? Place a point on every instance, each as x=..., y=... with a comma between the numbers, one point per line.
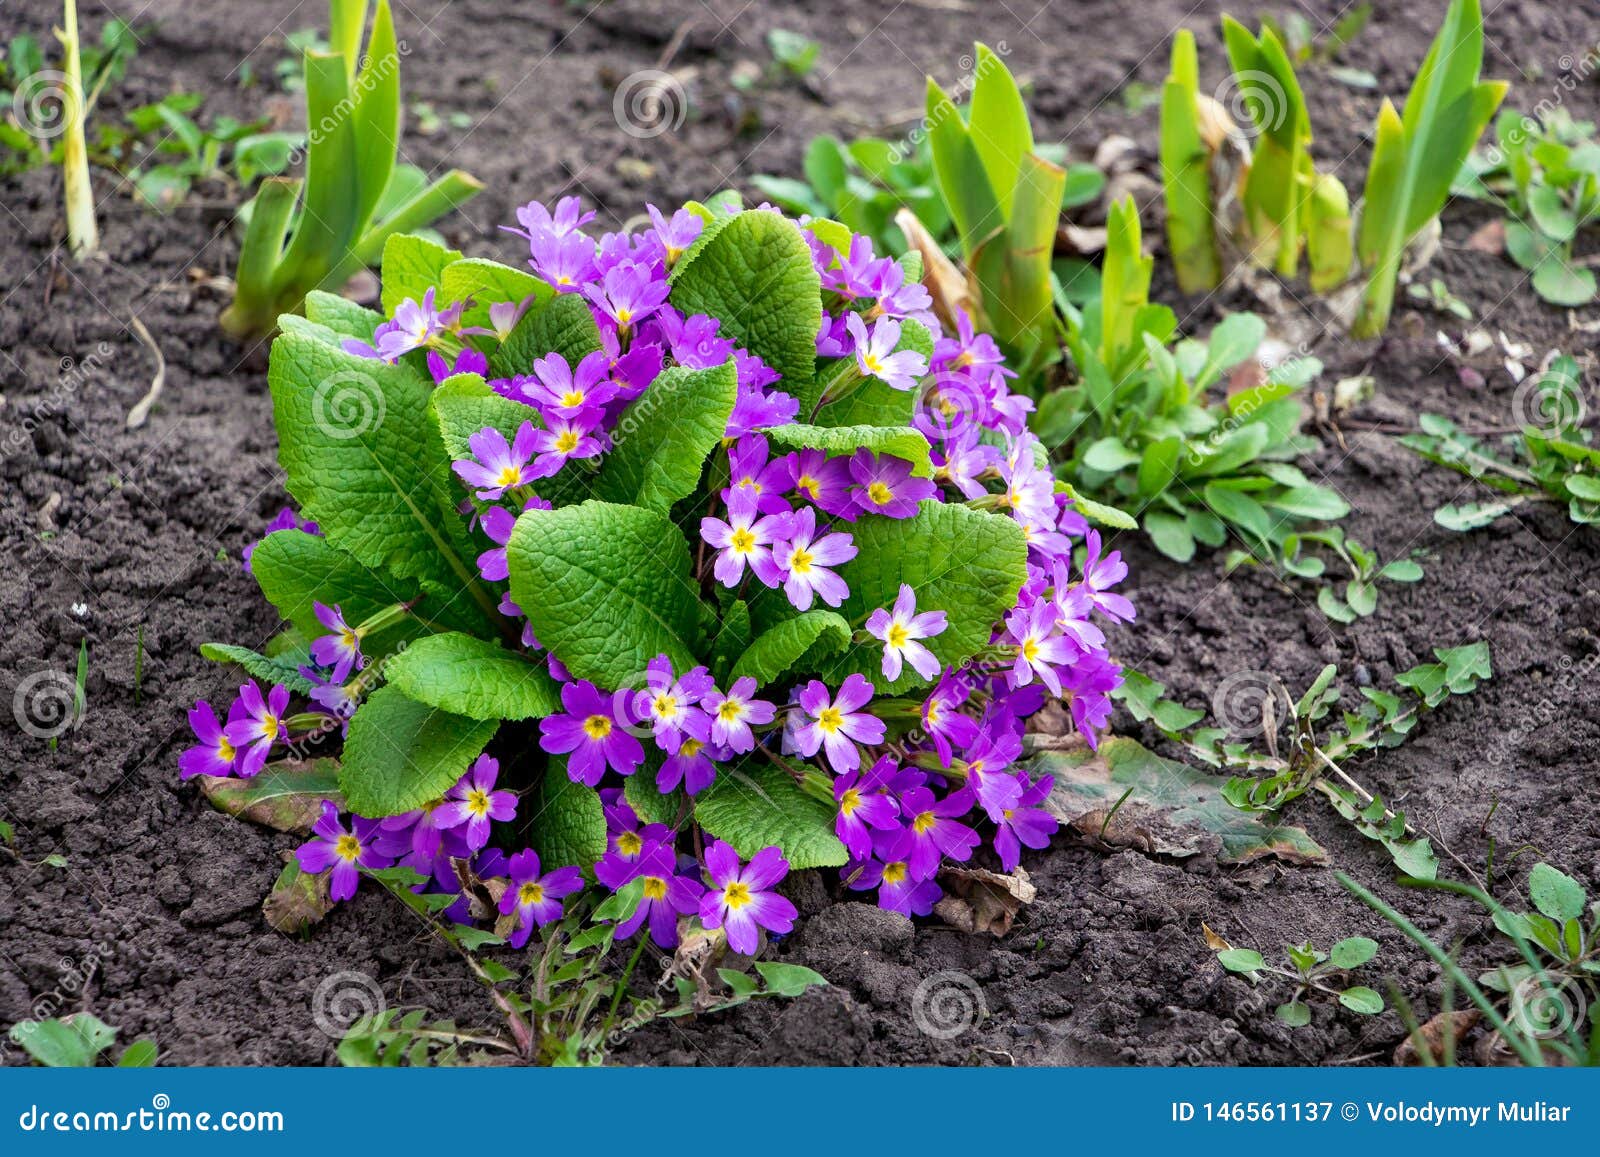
x=698, y=555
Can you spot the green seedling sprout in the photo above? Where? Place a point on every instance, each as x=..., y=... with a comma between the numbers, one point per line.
x=1312, y=972
x=1416, y=156
x=83, y=234
x=1186, y=172
x=355, y=196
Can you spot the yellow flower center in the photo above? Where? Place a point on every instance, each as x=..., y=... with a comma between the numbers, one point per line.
x=597, y=727
x=923, y=822
x=478, y=802
x=655, y=888
x=348, y=637
x=666, y=706
x=800, y=561
x=809, y=486
x=690, y=748
x=894, y=873
x=849, y=801
x=566, y=442
x=830, y=720
x=898, y=635
x=573, y=398
x=730, y=710
x=743, y=541
x=629, y=843
x=879, y=493
x=736, y=895
x=874, y=366
x=933, y=712
x=510, y=475
x=347, y=848
x=530, y=893
x=1030, y=649
x=225, y=750
x=270, y=726
x=624, y=316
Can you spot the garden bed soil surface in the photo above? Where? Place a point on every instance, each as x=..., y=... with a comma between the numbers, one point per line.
x=109, y=532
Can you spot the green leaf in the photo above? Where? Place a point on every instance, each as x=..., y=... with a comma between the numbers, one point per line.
x=898, y=441
x=1401, y=570
x=999, y=125
x=663, y=439
x=1555, y=893
x=284, y=669
x=1295, y=1014
x=463, y=404
x=412, y=266
x=607, y=588
x=799, y=644
x=488, y=282
x=1560, y=282
x=1352, y=952
x=1333, y=606
x=1584, y=486
x=1109, y=455
x=1241, y=959
x=71, y=1043
x=141, y=1054
x=1361, y=999
x=400, y=754
x=967, y=563
x=649, y=804
x=474, y=677
x=564, y=326
x=1471, y=515
x=287, y=795
x=1317, y=502
x=755, y=805
x=743, y=986
x=341, y=315
x=365, y=461
x=1170, y=535
x=569, y=827
x=756, y=275
x=788, y=979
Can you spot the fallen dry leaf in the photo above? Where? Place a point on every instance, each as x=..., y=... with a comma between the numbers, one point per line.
x=297, y=900
x=1213, y=941
x=943, y=281
x=1170, y=809
x=1490, y=238
x=1457, y=1023
x=977, y=900
x=286, y=796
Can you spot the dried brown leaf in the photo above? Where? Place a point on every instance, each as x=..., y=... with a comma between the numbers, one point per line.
x=978, y=900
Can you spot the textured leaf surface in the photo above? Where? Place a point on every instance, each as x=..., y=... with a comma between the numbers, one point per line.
x=283, y=668
x=411, y=267
x=564, y=326
x=296, y=569
x=570, y=826
x=900, y=441
x=607, y=588
x=755, y=805
x=664, y=438
x=464, y=404
x=756, y=276
x=966, y=563
x=798, y=644
x=473, y=677
x=400, y=753
x=365, y=461
x=488, y=282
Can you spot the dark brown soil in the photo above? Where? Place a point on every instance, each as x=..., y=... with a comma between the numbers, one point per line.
x=108, y=532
